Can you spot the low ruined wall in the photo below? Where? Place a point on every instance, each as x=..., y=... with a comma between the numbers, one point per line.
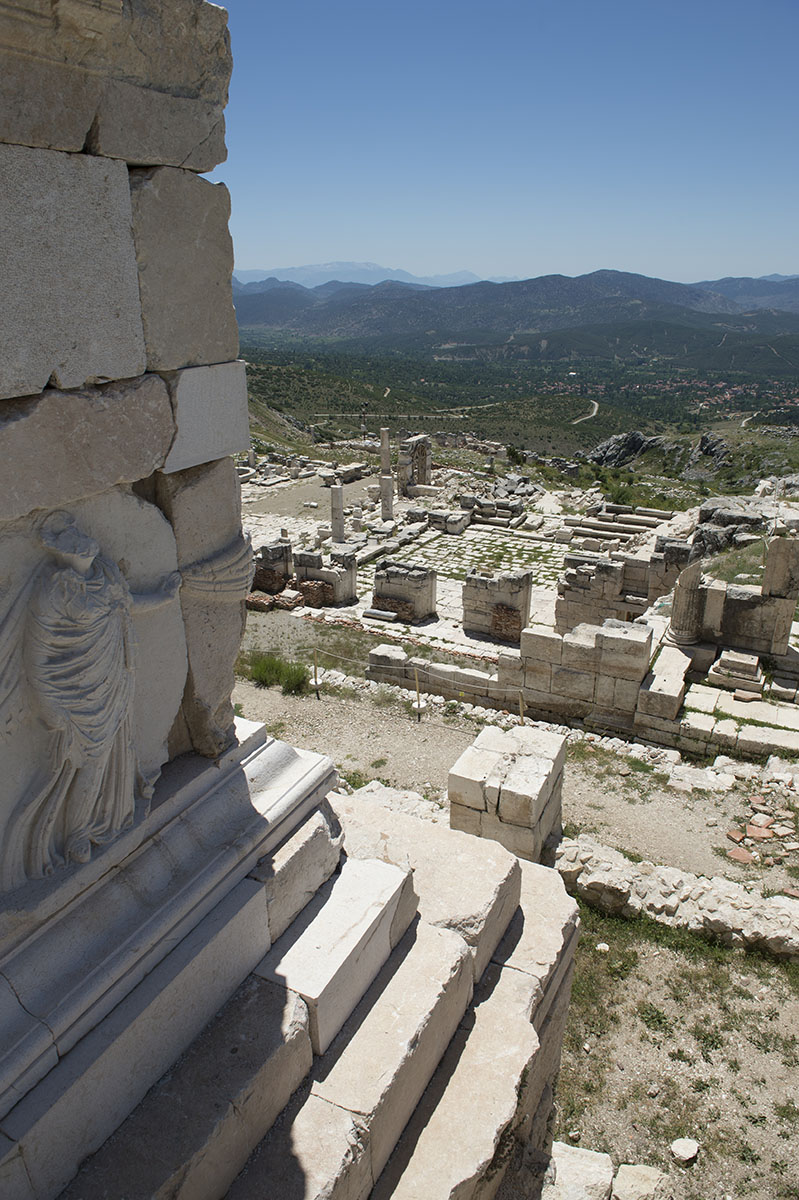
x=326, y=583
x=733, y=913
x=593, y=673
x=621, y=587
x=406, y=589
x=497, y=606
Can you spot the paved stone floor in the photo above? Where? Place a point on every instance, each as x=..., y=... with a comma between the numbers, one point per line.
x=492, y=549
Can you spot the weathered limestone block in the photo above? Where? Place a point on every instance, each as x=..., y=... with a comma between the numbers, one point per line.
x=93, y=666
x=293, y=874
x=131, y=429
x=332, y=954
x=144, y=127
x=581, y=648
x=70, y=316
x=579, y=1174
x=215, y=561
x=210, y=405
x=45, y=104
x=781, y=576
x=184, y=255
x=574, y=685
x=145, y=85
x=541, y=645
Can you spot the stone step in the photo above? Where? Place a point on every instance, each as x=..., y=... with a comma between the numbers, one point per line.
x=463, y=883
x=201, y=1120
x=198, y=1121
x=336, y=1136
x=495, y=1069
x=332, y=952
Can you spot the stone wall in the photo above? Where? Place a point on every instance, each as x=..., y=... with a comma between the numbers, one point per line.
x=622, y=586
x=593, y=673
x=122, y=398
x=339, y=575
x=406, y=589
x=736, y=914
x=497, y=606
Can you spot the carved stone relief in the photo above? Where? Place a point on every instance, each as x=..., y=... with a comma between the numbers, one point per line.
x=93, y=666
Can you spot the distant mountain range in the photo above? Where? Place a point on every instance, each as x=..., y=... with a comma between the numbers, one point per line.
x=353, y=272
x=727, y=324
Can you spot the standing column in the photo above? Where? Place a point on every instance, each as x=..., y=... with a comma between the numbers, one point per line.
x=386, y=498
x=385, y=453
x=687, y=607
x=337, y=512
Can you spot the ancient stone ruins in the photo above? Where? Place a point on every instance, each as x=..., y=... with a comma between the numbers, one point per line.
x=212, y=982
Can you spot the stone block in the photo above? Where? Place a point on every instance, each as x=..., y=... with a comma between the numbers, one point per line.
x=541, y=645
x=575, y=685
x=605, y=693
x=520, y=840
x=579, y=1174
x=465, y=819
x=462, y=884
x=148, y=127
x=537, y=675
x=216, y=564
x=626, y=651
x=315, y=1149
x=581, y=648
x=625, y=694
x=333, y=951
x=46, y=104
x=293, y=874
x=72, y=315
x=47, y=460
x=404, y=1026
x=526, y=787
x=186, y=299
x=467, y=777
x=210, y=406
x=450, y=1144
x=634, y=1181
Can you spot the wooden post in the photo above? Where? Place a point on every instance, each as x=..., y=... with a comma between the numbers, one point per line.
x=521, y=708
x=316, y=675
x=418, y=697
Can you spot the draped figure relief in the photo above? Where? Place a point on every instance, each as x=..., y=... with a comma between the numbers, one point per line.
x=68, y=654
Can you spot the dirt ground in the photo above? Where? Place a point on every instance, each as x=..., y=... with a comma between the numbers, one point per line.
x=666, y=1037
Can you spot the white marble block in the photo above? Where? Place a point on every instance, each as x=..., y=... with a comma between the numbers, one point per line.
x=70, y=316
x=210, y=405
x=185, y=259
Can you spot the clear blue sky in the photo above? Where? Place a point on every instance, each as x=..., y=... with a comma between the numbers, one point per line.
x=516, y=137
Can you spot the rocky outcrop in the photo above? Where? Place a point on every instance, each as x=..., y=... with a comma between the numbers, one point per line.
x=622, y=448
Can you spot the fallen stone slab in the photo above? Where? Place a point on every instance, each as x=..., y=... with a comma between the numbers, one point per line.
x=637, y=1182
x=579, y=1174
